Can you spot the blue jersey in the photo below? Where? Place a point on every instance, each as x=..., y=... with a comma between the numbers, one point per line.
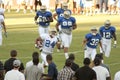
x=93, y=40
x=66, y=23
x=60, y=12
x=43, y=17
x=107, y=33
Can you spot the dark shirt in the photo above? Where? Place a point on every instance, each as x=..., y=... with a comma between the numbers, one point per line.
x=9, y=65
x=52, y=71
x=1, y=71
x=85, y=73
x=74, y=66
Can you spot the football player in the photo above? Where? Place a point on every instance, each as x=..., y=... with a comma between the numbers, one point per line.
x=60, y=11
x=107, y=32
x=43, y=19
x=47, y=43
x=2, y=25
x=90, y=43
x=67, y=24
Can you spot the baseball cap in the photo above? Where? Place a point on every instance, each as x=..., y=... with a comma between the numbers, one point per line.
x=16, y=63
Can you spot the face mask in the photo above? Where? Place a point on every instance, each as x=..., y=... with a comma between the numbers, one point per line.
x=94, y=34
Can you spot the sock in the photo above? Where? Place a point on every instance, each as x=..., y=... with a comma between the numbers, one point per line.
x=66, y=55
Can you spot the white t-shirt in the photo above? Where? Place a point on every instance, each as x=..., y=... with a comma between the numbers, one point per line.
x=40, y=66
x=14, y=75
x=117, y=76
x=48, y=43
x=101, y=72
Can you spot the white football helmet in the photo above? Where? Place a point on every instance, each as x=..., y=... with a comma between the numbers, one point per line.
x=107, y=23
x=1, y=11
x=43, y=8
x=64, y=6
x=53, y=32
x=67, y=14
x=94, y=30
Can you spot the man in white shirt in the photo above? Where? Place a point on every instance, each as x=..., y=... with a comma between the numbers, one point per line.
x=15, y=74
x=102, y=73
x=30, y=63
x=117, y=76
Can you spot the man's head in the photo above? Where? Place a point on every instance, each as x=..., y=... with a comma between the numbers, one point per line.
x=67, y=14
x=35, y=58
x=94, y=30
x=53, y=32
x=97, y=61
x=86, y=61
x=43, y=8
x=107, y=23
x=64, y=6
x=72, y=57
x=13, y=53
x=49, y=58
x=16, y=63
x=68, y=62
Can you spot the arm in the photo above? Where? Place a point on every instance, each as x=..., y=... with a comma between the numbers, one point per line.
x=57, y=28
x=74, y=26
x=50, y=19
x=84, y=43
x=108, y=78
x=54, y=16
x=4, y=26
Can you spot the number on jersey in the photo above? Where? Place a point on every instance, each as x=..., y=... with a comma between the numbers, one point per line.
x=48, y=43
x=94, y=42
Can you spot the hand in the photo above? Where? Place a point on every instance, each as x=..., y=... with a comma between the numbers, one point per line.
x=5, y=34
x=36, y=22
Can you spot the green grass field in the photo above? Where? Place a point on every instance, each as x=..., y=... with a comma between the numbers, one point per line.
x=22, y=33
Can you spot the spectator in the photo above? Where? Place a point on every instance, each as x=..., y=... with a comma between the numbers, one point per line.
x=85, y=72
x=117, y=76
x=66, y=73
x=102, y=73
x=74, y=66
x=33, y=72
x=30, y=63
x=100, y=56
x=103, y=6
x=9, y=63
x=15, y=74
x=52, y=70
x=37, y=2
x=2, y=25
x=1, y=71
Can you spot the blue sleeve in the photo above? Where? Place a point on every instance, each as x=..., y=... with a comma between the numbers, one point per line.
x=58, y=11
x=59, y=20
x=113, y=30
x=87, y=36
x=73, y=20
x=50, y=71
x=37, y=13
x=49, y=14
